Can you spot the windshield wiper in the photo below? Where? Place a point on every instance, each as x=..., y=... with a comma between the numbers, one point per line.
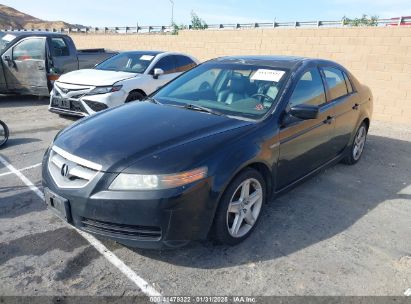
x=153, y=100
x=202, y=109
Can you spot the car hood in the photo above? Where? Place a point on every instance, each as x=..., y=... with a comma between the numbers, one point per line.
x=95, y=77
x=119, y=137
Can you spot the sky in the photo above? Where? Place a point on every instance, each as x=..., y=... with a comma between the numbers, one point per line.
x=158, y=12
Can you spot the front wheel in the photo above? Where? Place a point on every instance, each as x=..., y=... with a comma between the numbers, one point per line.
x=357, y=147
x=240, y=208
x=134, y=96
x=4, y=133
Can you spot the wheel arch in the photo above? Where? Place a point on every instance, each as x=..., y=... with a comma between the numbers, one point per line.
x=138, y=91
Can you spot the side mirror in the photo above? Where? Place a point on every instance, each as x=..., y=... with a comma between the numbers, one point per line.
x=303, y=111
x=157, y=73
x=8, y=60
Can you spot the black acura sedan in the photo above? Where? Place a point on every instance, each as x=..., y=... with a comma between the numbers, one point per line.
x=199, y=158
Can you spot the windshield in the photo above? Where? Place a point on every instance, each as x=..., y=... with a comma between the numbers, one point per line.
x=133, y=62
x=240, y=90
x=5, y=39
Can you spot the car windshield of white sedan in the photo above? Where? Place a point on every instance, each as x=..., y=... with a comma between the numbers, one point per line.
x=238, y=90
x=133, y=62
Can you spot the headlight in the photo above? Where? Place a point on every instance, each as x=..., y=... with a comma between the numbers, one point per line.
x=104, y=90
x=125, y=181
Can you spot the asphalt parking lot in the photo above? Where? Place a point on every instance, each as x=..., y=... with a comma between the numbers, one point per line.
x=344, y=232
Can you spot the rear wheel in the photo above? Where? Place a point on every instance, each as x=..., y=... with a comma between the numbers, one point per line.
x=357, y=147
x=135, y=96
x=240, y=208
x=4, y=133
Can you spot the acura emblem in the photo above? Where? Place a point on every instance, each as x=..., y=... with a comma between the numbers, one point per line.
x=64, y=170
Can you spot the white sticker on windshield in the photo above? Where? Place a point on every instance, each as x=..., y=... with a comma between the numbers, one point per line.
x=146, y=57
x=268, y=75
x=8, y=37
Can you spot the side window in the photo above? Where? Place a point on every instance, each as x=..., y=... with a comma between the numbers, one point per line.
x=32, y=48
x=348, y=83
x=335, y=82
x=167, y=64
x=184, y=63
x=309, y=90
x=58, y=47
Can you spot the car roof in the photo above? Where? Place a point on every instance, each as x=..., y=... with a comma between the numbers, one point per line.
x=154, y=53
x=31, y=33
x=287, y=62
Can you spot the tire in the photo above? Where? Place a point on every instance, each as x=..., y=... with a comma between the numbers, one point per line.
x=247, y=211
x=4, y=133
x=356, y=148
x=134, y=96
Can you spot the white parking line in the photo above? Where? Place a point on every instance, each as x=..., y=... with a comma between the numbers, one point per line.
x=143, y=285
x=23, y=169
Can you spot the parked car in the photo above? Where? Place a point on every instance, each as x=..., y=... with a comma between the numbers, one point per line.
x=126, y=77
x=31, y=61
x=4, y=133
x=202, y=156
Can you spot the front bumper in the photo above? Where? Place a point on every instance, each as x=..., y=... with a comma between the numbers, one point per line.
x=85, y=105
x=145, y=219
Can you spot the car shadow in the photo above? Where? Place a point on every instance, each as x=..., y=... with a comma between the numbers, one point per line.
x=319, y=209
x=19, y=141
x=15, y=101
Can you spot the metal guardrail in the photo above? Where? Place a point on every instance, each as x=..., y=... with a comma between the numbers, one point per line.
x=398, y=21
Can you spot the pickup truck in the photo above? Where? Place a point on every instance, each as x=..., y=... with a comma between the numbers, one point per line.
x=32, y=61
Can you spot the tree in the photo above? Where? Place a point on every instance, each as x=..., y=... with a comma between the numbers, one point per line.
x=365, y=20
x=176, y=28
x=197, y=23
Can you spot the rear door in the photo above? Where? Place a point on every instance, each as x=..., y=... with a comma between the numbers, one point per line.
x=184, y=63
x=305, y=144
x=63, y=59
x=25, y=66
x=341, y=94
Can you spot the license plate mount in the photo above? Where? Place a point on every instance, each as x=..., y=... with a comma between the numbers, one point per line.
x=59, y=205
x=62, y=103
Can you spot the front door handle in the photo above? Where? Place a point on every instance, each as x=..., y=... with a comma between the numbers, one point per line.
x=329, y=120
x=356, y=106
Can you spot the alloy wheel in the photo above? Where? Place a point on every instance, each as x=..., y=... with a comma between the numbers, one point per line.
x=359, y=142
x=244, y=207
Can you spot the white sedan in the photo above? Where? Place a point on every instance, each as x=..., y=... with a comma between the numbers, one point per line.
x=125, y=77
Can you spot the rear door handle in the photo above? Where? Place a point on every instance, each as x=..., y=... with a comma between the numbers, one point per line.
x=355, y=106
x=329, y=120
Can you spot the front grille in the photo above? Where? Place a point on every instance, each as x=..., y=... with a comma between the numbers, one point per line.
x=75, y=105
x=72, y=90
x=70, y=171
x=131, y=231
x=95, y=106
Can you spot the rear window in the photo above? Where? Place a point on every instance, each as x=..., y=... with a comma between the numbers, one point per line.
x=59, y=47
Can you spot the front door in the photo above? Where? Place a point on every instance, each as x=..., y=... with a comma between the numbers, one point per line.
x=25, y=66
x=168, y=65
x=305, y=144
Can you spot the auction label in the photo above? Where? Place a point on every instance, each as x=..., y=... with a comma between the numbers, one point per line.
x=146, y=57
x=268, y=75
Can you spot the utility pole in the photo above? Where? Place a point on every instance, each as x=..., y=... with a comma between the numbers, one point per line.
x=172, y=11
